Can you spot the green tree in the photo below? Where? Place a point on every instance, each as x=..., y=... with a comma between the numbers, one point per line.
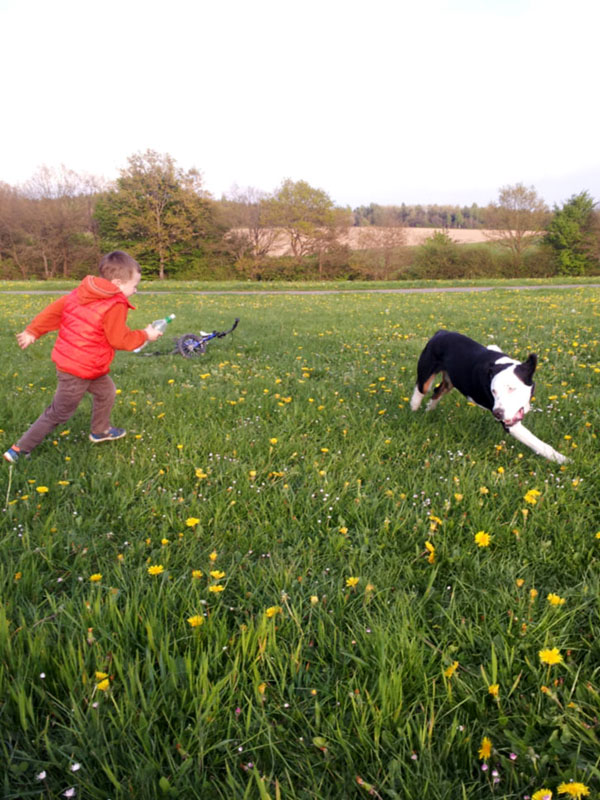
x=517, y=221
x=438, y=257
x=307, y=215
x=573, y=235
x=157, y=210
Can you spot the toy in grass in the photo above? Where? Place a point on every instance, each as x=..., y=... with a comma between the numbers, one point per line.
x=191, y=344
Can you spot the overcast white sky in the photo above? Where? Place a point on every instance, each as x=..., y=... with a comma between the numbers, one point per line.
x=384, y=101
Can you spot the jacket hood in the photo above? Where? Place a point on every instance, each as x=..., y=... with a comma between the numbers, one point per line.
x=92, y=288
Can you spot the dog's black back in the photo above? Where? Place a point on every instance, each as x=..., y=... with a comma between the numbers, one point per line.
x=469, y=365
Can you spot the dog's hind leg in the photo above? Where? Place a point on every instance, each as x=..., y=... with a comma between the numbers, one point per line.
x=520, y=432
x=440, y=390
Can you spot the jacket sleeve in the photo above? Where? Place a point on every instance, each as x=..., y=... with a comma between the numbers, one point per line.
x=48, y=319
x=118, y=334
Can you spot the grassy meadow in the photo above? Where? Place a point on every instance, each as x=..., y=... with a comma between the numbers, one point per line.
x=278, y=585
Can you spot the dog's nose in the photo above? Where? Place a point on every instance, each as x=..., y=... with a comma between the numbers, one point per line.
x=498, y=413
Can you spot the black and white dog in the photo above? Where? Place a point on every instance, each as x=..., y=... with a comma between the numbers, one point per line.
x=487, y=377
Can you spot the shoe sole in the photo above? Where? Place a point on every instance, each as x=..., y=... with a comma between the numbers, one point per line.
x=107, y=438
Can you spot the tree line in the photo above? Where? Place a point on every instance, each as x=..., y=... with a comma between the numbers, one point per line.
x=58, y=223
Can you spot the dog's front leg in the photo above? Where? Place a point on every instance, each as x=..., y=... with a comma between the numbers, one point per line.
x=520, y=432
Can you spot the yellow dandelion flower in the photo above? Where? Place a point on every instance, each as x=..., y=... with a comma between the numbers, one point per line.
x=272, y=610
x=273, y=440
x=217, y=574
x=485, y=750
x=314, y=599
x=164, y=541
x=200, y=474
x=542, y=794
x=41, y=489
x=18, y=576
x=350, y=582
x=520, y=582
x=555, y=600
x=431, y=550
x=262, y=688
x=216, y=587
x=484, y=490
x=449, y=671
x=97, y=576
x=100, y=675
x=156, y=569
x=192, y=521
x=551, y=656
x=598, y=535
x=458, y=497
x=213, y=555
x=482, y=539
x=531, y=496
x=197, y=573
x=196, y=621
x=574, y=789
x=344, y=530
x=494, y=689
x=103, y=685
x=533, y=593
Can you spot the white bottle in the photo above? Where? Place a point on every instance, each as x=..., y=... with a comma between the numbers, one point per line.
x=160, y=325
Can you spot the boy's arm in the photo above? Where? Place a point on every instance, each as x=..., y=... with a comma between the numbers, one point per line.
x=47, y=320
x=116, y=331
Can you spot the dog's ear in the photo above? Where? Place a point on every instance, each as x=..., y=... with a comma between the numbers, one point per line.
x=525, y=370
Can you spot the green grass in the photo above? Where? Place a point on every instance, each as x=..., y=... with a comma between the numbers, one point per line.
x=58, y=285
x=343, y=691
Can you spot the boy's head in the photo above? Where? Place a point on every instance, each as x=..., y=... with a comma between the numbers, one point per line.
x=122, y=270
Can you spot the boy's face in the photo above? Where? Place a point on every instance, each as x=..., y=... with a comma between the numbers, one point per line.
x=129, y=286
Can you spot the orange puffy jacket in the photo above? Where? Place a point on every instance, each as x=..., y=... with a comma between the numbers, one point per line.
x=91, y=324
x=81, y=347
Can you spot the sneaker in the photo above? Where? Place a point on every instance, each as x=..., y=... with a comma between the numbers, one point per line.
x=13, y=454
x=113, y=433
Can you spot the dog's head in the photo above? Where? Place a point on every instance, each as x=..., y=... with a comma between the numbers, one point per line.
x=512, y=388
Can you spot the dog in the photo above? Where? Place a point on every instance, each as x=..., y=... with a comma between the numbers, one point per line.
x=487, y=377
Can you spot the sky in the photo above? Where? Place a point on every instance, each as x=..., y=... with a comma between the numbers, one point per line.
x=385, y=101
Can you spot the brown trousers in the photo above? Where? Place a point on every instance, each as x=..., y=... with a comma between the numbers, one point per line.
x=69, y=394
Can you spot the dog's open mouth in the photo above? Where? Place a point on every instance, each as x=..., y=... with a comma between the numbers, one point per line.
x=517, y=418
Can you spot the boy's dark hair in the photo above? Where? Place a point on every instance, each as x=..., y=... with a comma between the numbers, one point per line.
x=118, y=265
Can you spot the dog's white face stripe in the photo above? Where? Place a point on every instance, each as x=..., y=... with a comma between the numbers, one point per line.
x=512, y=397
x=505, y=359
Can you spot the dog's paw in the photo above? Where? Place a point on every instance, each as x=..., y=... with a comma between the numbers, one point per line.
x=416, y=399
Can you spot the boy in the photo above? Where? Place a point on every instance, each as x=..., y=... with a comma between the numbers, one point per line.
x=91, y=324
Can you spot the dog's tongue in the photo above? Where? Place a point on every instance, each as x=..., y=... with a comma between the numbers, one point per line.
x=517, y=418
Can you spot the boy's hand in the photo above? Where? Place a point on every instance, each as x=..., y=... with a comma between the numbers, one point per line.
x=24, y=339
x=152, y=333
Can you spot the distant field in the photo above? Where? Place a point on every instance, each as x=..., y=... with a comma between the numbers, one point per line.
x=369, y=237
x=272, y=587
